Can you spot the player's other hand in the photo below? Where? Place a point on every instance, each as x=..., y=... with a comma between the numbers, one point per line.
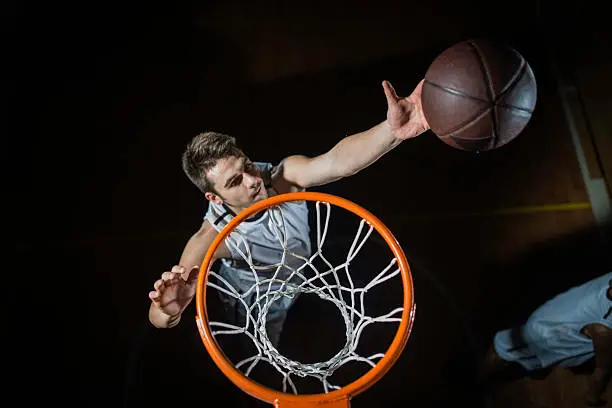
x=176, y=288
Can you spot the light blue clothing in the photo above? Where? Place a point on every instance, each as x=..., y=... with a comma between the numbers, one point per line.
x=552, y=334
x=263, y=235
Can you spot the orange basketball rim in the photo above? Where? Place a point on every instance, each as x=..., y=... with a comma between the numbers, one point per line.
x=336, y=398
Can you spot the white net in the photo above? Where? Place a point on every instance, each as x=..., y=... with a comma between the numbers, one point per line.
x=288, y=279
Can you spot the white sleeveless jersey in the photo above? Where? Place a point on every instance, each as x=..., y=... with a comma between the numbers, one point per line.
x=263, y=239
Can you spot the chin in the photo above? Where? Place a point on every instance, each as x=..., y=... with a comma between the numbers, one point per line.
x=262, y=195
x=259, y=198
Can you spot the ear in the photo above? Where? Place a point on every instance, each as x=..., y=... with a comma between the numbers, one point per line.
x=213, y=198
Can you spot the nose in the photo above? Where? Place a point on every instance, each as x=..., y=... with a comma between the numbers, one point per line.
x=250, y=180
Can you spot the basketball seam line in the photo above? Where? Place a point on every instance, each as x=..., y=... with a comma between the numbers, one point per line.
x=456, y=92
x=513, y=107
x=471, y=139
x=485, y=72
x=474, y=118
x=512, y=81
x=465, y=95
x=487, y=78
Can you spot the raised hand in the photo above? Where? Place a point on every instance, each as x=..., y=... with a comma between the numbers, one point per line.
x=405, y=115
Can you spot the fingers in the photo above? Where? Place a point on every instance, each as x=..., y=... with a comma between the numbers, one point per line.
x=159, y=285
x=167, y=279
x=178, y=269
x=419, y=88
x=154, y=296
x=420, y=84
x=392, y=97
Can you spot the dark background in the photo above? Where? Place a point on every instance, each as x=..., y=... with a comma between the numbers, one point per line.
x=103, y=96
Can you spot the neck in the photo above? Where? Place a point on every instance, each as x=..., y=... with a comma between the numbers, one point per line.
x=235, y=210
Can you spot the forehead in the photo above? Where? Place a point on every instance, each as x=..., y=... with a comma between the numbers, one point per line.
x=225, y=168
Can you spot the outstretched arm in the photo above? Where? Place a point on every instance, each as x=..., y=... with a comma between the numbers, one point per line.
x=405, y=120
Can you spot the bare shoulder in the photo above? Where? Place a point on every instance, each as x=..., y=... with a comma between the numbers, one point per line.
x=203, y=239
x=205, y=234
x=207, y=229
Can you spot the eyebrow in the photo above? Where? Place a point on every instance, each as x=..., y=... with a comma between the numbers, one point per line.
x=233, y=177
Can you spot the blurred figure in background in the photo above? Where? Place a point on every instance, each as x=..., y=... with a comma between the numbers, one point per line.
x=566, y=331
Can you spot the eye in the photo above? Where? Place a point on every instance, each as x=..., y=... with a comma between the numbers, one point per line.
x=250, y=168
x=236, y=181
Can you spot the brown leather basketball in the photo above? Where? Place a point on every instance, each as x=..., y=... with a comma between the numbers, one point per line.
x=478, y=95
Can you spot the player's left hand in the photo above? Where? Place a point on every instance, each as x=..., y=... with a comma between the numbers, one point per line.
x=405, y=115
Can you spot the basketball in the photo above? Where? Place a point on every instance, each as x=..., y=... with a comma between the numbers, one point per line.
x=478, y=95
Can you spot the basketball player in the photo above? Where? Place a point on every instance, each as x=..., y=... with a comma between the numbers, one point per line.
x=566, y=331
x=231, y=182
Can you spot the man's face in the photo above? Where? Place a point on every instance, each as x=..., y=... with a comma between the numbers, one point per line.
x=237, y=183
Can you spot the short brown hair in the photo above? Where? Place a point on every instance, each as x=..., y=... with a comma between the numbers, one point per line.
x=202, y=153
